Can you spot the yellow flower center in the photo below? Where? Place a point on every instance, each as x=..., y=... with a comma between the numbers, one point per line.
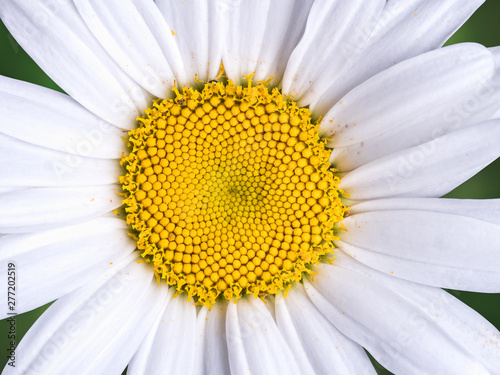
x=229, y=191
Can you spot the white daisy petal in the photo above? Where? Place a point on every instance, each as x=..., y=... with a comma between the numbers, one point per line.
x=35, y=209
x=124, y=34
x=199, y=355
x=173, y=349
x=238, y=362
x=24, y=164
x=21, y=243
x=163, y=35
x=328, y=350
x=407, y=327
x=200, y=43
x=289, y=332
x=140, y=361
x=261, y=37
x=415, y=27
x=432, y=82
x=496, y=52
x=429, y=170
x=215, y=350
x=264, y=349
x=53, y=120
x=109, y=318
x=245, y=37
x=54, y=35
x=8, y=189
x=483, y=209
x=376, y=118
x=51, y=271
x=433, y=248
x=325, y=49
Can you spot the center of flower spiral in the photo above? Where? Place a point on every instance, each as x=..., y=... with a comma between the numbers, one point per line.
x=229, y=191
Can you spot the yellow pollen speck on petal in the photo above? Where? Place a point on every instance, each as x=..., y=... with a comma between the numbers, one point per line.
x=229, y=191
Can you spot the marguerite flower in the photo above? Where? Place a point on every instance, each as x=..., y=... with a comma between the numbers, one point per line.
x=277, y=215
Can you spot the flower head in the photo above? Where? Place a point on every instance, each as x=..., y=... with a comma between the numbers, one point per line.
x=238, y=187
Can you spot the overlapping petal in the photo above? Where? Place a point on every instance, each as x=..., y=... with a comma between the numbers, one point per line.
x=45, y=29
x=199, y=43
x=24, y=164
x=415, y=27
x=215, y=346
x=50, y=271
x=314, y=341
x=431, y=169
x=173, y=347
x=261, y=36
x=124, y=34
x=407, y=327
x=487, y=210
x=444, y=91
x=450, y=250
x=93, y=317
x=254, y=342
x=35, y=209
x=333, y=26
x=47, y=118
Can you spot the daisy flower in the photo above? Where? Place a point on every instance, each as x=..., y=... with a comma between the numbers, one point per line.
x=248, y=187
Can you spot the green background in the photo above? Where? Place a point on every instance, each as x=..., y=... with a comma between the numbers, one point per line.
x=483, y=28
